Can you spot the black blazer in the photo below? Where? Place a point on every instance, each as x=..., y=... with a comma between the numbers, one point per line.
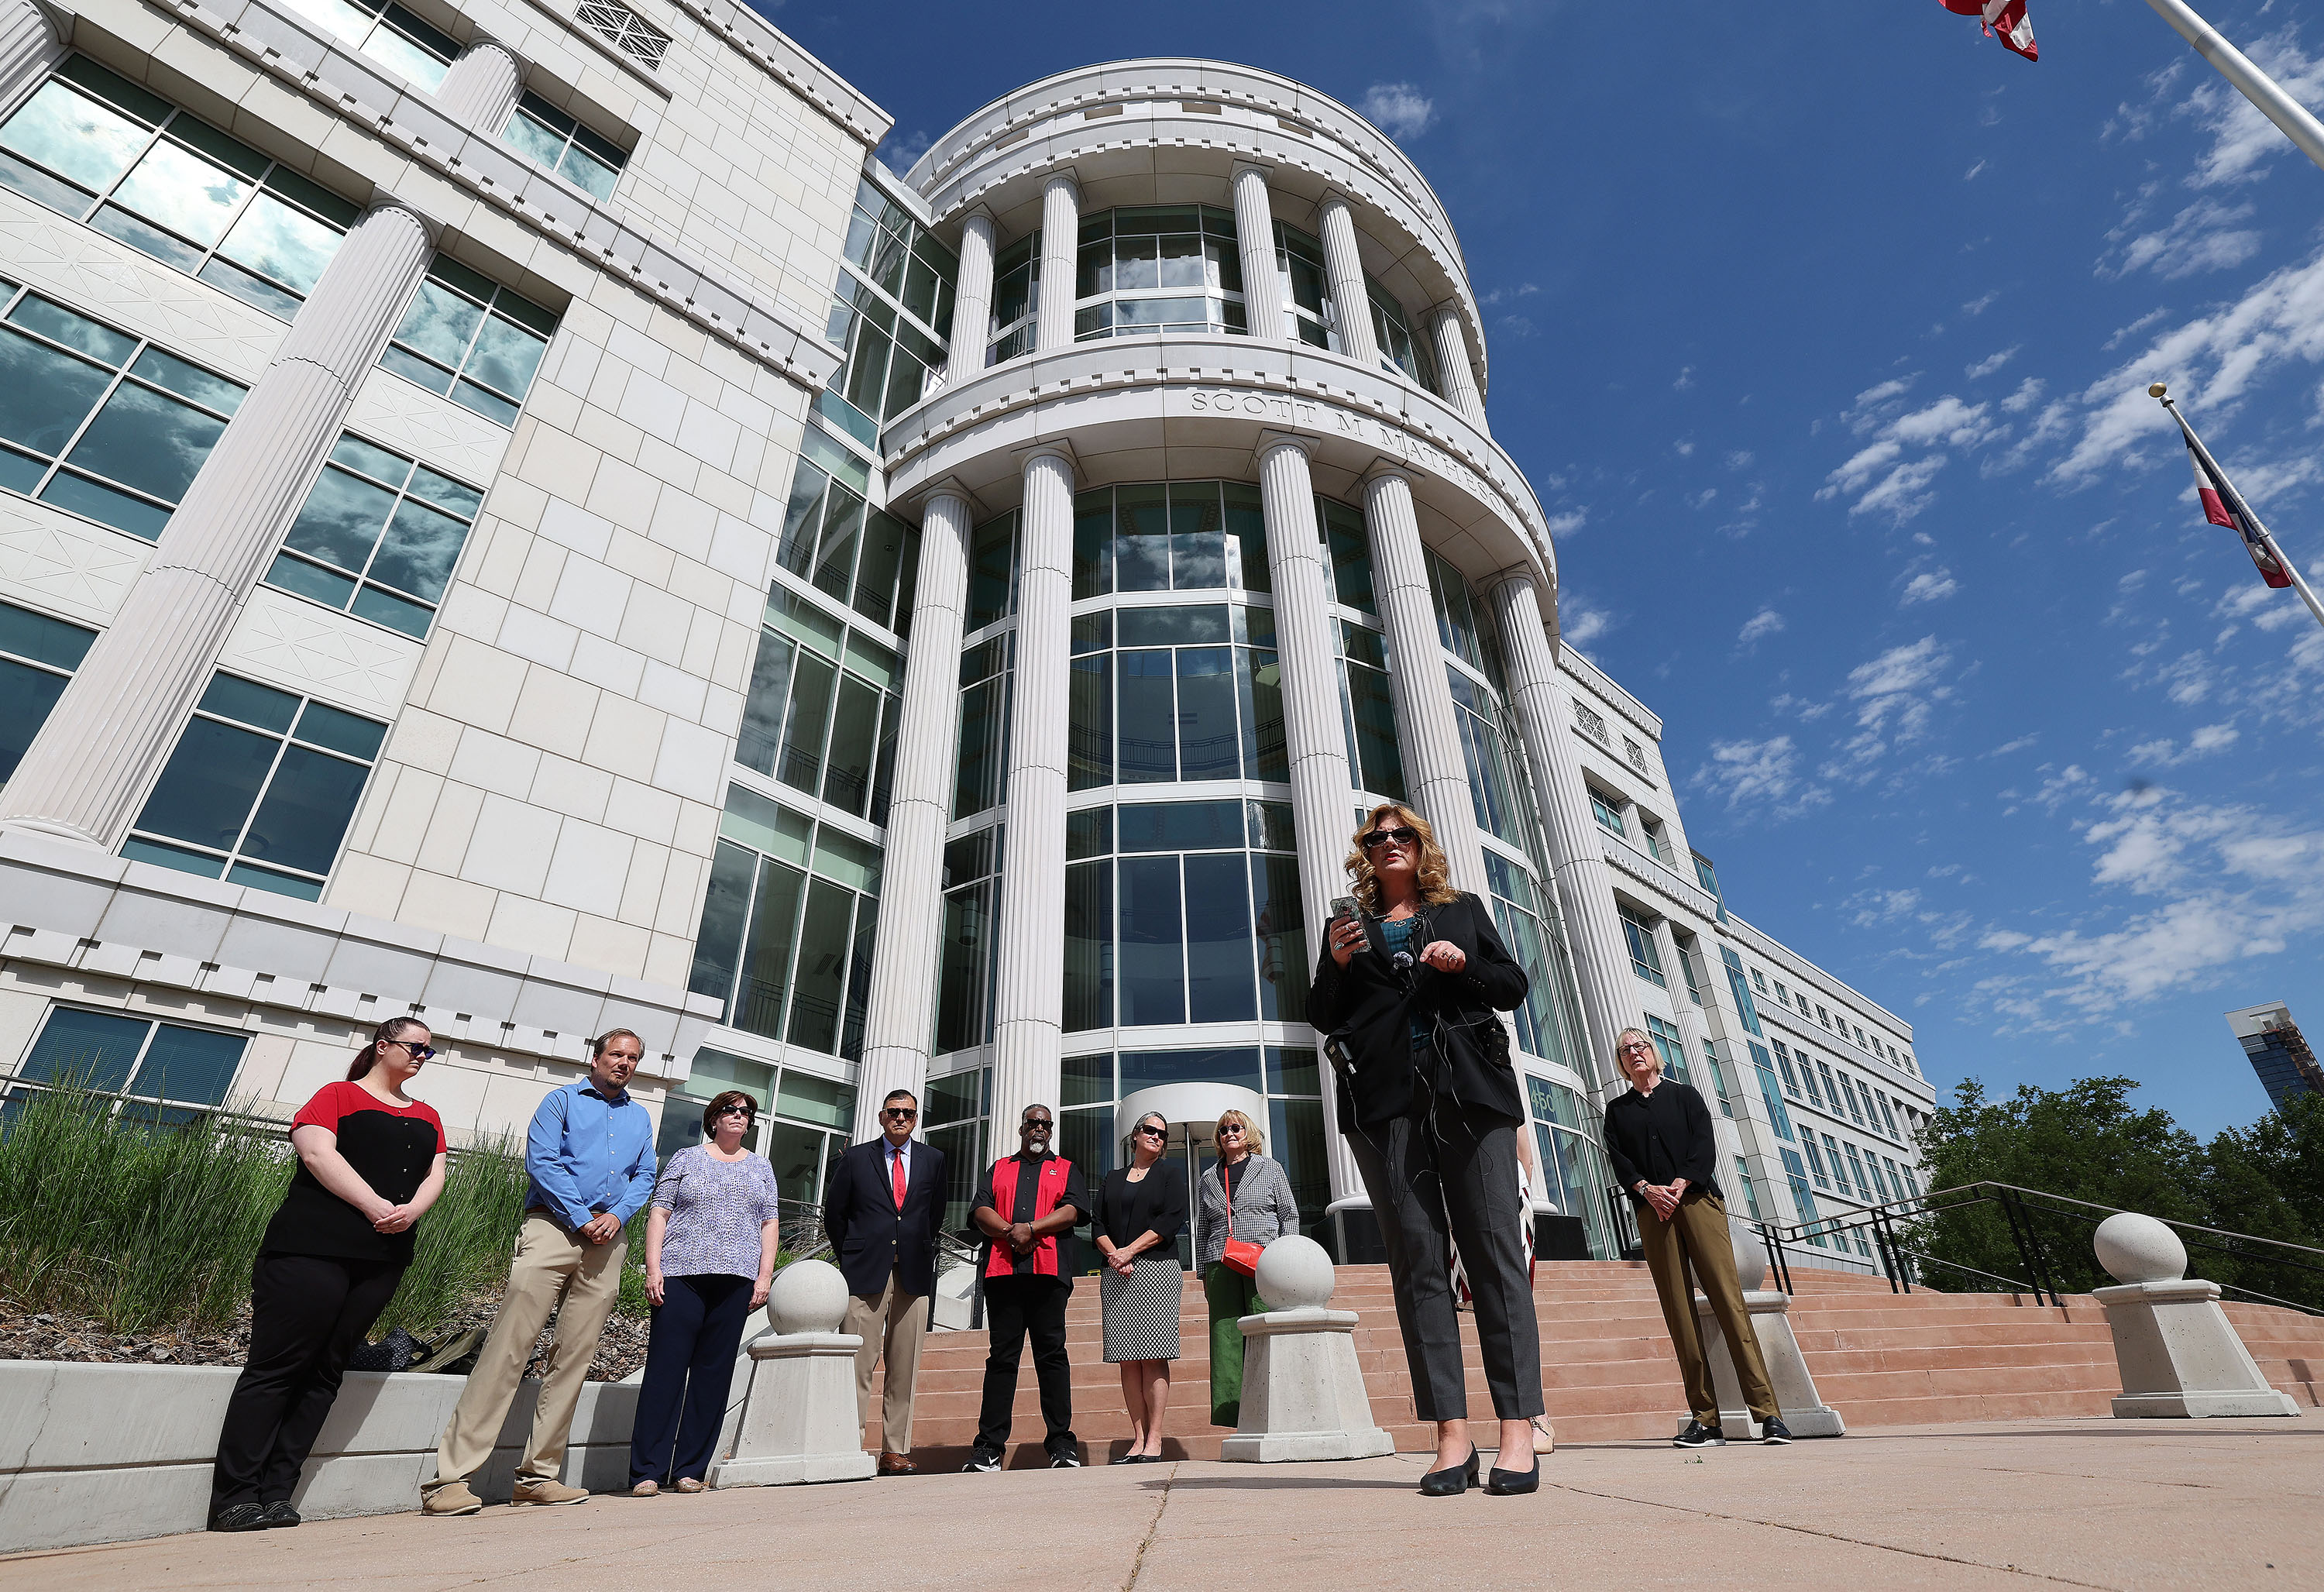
x=869, y=1235
x=1369, y=1005
x=1673, y=1120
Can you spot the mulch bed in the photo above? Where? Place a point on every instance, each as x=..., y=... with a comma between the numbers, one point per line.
x=28, y=1334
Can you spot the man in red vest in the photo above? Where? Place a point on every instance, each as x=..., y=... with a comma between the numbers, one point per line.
x=1027, y=1212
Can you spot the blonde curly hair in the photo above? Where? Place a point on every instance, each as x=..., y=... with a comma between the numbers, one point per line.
x=1433, y=873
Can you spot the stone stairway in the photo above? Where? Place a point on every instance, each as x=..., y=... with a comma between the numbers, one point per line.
x=1880, y=1358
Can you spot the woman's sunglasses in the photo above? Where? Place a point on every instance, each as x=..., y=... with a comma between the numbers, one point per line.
x=1400, y=835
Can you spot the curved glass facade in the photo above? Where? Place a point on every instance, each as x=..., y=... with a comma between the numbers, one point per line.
x=1159, y=268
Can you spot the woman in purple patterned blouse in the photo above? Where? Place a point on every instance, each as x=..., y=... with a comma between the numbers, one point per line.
x=710, y=1256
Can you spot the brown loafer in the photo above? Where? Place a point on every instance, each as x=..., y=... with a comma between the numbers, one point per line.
x=898, y=1465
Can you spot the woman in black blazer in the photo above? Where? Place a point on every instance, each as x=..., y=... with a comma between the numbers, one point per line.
x=1431, y=1111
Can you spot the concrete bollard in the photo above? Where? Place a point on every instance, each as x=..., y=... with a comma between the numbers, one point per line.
x=2177, y=1352
x=799, y=1421
x=1303, y=1393
x=1805, y=1410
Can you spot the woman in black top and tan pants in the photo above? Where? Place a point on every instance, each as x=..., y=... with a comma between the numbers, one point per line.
x=1141, y=1208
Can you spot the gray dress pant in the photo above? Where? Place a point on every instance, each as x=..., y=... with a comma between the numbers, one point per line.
x=1464, y=1174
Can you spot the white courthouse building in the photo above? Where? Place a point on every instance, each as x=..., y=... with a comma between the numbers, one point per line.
x=509, y=514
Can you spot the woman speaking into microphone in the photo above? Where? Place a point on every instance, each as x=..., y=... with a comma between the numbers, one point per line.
x=1406, y=992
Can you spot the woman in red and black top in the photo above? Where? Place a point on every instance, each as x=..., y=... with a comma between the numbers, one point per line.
x=371, y=1162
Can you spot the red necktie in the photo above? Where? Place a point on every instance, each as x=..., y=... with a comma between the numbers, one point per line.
x=898, y=1158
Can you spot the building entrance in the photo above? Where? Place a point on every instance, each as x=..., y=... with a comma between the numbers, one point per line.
x=1192, y=1110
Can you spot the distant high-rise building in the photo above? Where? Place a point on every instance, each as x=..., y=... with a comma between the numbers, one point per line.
x=2285, y=1065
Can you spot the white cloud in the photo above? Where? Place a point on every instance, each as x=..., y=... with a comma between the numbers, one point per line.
x=1970, y=175
x=1740, y=459
x=1398, y=109
x=2207, y=235
x=1567, y=523
x=2164, y=752
x=1581, y=622
x=1759, y=626
x=1882, y=480
x=1983, y=302
x=1992, y=362
x=902, y=150
x=1508, y=295
x=1761, y=773
x=2241, y=137
x=1686, y=378
x=1701, y=500
x=2007, y=747
x=1930, y=586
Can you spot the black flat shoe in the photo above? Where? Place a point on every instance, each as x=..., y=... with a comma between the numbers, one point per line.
x=280, y=1514
x=1450, y=1481
x=1503, y=1484
x=240, y=1517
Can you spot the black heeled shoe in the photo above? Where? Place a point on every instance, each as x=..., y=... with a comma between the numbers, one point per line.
x=1503, y=1483
x=1453, y=1481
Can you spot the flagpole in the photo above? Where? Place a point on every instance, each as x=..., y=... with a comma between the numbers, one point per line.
x=2299, y=581
x=2296, y=121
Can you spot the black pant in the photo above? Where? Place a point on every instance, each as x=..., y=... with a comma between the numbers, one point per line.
x=1467, y=1182
x=689, y=1368
x=307, y=1314
x=1014, y=1307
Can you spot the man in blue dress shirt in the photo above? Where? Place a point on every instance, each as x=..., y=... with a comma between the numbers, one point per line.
x=590, y=1161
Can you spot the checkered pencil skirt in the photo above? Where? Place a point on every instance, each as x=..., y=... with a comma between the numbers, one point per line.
x=1141, y=1310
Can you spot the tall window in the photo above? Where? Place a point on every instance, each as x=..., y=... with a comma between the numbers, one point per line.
x=1517, y=913
x=1400, y=349
x=260, y=790
x=378, y=536
x=822, y=709
x=1783, y=1063
x=167, y=1073
x=98, y=422
x=1016, y=300
x=467, y=337
x=801, y=1129
x=1750, y=1194
x=38, y=655
x=1888, y=1119
x=1607, y=814
x=1196, y=693
x=851, y=552
x=389, y=34
x=624, y=30
x=1717, y=1078
x=554, y=142
x=132, y=165
x=1491, y=757
x=1574, y=1167
x=1778, y=1115
x=1801, y=1200
x=1349, y=546
x=1159, y=268
x=1831, y=1089
x=1670, y=1046
x=1740, y=987
x=954, y=1116
x=1367, y=707
x=788, y=925
x=1815, y=1160
x=1638, y=930
x=980, y=758
x=891, y=312
x=1206, y=535
x=971, y=881
x=1306, y=285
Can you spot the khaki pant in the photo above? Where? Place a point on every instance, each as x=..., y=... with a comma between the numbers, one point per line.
x=1698, y=1233
x=555, y=1270
x=891, y=1323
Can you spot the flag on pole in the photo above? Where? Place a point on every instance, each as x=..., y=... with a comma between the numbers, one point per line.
x=2223, y=507
x=2006, y=20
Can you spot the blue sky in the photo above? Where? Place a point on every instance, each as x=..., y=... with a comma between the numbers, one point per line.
x=1825, y=331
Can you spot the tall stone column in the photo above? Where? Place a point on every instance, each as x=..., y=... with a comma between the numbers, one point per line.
x=109, y=732
x=971, y=299
x=1585, y=884
x=900, y=1025
x=30, y=45
x=1343, y=266
x=1453, y=372
x=482, y=86
x=1061, y=255
x=1029, y=1003
x=1428, y=731
x=1262, y=291
x=1307, y=648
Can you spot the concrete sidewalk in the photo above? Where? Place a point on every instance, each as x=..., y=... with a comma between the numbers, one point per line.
x=2085, y=1503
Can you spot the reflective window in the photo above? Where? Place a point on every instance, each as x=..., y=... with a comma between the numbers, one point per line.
x=1159, y=268
x=895, y=253
x=802, y=1123
x=1400, y=349
x=1529, y=932
x=38, y=655
x=102, y=149
x=1368, y=711
x=964, y=990
x=889, y=360
x=891, y=312
x=1750, y=1192
x=1778, y=1115
x=1815, y=1161
x=981, y=759
x=1458, y=628
x=992, y=572
x=1830, y=1088
x=822, y=708
x=852, y=553
x=1670, y=1046
x=1180, y=536
x=624, y=30
x=1717, y=1078
x=786, y=926
x=1183, y=911
x=555, y=142
x=1574, y=1167
x=1796, y=1176
x=1306, y=285
x=378, y=536
x=389, y=34
x=1164, y=695
x=99, y=421
x=1016, y=299
x=164, y=1073
x=1741, y=988
x=468, y=337
x=1606, y=813
x=1350, y=551
x=1784, y=1064
x=1640, y=931
x=1490, y=745
x=260, y=789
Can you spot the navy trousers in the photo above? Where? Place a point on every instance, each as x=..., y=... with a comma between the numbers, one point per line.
x=690, y=1351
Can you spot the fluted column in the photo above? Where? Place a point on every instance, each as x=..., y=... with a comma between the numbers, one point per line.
x=899, y=1022
x=109, y=732
x=1585, y=884
x=30, y=48
x=1061, y=253
x=1307, y=648
x=481, y=88
x=1343, y=265
x=971, y=297
x=1428, y=732
x=1454, y=373
x=1029, y=1003
x=1262, y=292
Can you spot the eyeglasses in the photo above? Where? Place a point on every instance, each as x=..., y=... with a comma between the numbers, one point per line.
x=1230, y=1130
x=735, y=1111
x=1152, y=1132
x=1639, y=1047
x=419, y=1052
x=1037, y=1122
x=903, y=1113
x=1399, y=835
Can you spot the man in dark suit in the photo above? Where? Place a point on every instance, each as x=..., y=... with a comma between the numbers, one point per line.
x=881, y=1210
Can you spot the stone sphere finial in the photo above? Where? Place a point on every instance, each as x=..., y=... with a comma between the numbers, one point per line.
x=2135, y=1248
x=808, y=1296
x=1750, y=1255
x=1296, y=1274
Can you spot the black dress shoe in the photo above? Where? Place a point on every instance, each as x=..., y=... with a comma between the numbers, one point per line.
x=1503, y=1484
x=1698, y=1436
x=240, y=1517
x=1774, y=1432
x=279, y=1513
x=1453, y=1481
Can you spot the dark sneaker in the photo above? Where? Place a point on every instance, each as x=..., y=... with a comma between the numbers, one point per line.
x=280, y=1514
x=1068, y=1461
x=1774, y=1432
x=978, y=1459
x=1698, y=1436
x=240, y=1517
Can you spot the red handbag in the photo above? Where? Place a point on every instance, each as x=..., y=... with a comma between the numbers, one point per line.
x=1240, y=1255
